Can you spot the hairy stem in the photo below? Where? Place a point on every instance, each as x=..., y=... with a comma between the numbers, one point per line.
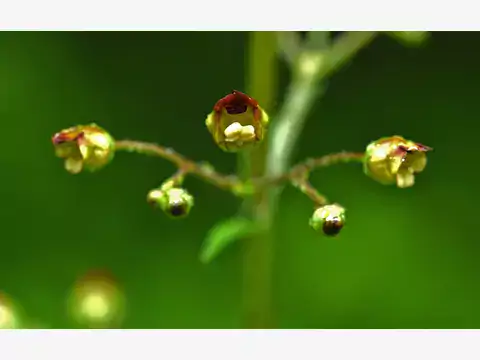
x=258, y=253
x=297, y=175
x=186, y=166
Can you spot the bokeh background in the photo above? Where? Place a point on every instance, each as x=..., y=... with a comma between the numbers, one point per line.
x=407, y=259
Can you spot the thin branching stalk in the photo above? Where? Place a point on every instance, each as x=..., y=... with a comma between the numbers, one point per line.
x=202, y=170
x=230, y=182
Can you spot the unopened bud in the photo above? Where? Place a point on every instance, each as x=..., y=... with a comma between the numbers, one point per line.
x=175, y=202
x=10, y=313
x=96, y=301
x=329, y=219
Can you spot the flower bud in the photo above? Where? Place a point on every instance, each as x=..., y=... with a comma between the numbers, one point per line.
x=410, y=38
x=10, y=313
x=394, y=160
x=236, y=122
x=175, y=202
x=86, y=147
x=329, y=218
x=97, y=301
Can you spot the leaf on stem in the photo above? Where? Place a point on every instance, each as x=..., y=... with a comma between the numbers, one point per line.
x=223, y=234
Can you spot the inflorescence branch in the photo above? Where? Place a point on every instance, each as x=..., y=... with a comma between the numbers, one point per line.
x=237, y=122
x=298, y=175
x=390, y=160
x=203, y=170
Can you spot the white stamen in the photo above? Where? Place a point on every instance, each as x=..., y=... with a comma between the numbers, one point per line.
x=248, y=133
x=233, y=131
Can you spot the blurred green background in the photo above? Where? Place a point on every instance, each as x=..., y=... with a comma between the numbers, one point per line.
x=407, y=259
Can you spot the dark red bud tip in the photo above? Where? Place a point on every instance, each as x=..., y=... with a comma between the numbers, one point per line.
x=62, y=137
x=422, y=147
x=417, y=147
x=235, y=103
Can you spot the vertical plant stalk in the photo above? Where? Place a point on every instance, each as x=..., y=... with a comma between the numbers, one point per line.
x=261, y=83
x=310, y=68
x=273, y=158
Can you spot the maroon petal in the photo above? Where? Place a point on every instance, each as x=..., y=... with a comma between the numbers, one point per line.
x=235, y=103
x=66, y=136
x=422, y=147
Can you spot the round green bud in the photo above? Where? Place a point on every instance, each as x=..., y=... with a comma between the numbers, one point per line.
x=175, y=202
x=329, y=219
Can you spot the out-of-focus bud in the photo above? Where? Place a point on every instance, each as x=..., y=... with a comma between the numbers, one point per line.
x=86, y=147
x=96, y=301
x=394, y=160
x=10, y=313
x=236, y=122
x=410, y=38
x=175, y=202
x=329, y=219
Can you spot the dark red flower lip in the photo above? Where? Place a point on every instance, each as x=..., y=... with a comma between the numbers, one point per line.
x=63, y=137
x=235, y=103
x=420, y=147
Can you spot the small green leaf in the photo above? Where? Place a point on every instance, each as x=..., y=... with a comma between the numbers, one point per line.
x=223, y=234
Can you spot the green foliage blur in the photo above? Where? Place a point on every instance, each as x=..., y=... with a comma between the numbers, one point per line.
x=408, y=258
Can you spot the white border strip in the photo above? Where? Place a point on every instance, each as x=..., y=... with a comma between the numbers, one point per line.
x=244, y=345
x=400, y=15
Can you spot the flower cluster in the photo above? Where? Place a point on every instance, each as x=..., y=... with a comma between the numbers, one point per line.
x=238, y=122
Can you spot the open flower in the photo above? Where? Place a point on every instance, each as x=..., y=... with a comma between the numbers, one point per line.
x=329, y=219
x=236, y=122
x=84, y=147
x=394, y=160
x=175, y=202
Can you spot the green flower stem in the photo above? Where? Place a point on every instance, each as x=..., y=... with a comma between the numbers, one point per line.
x=303, y=169
x=176, y=180
x=305, y=187
x=311, y=68
x=328, y=160
x=185, y=166
x=300, y=173
x=288, y=45
x=297, y=175
x=261, y=80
